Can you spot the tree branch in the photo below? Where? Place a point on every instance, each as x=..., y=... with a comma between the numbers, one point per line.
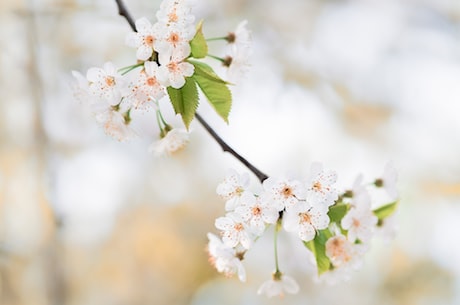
x=122, y=11
x=225, y=147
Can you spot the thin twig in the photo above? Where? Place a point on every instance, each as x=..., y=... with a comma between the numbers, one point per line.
x=122, y=11
x=225, y=147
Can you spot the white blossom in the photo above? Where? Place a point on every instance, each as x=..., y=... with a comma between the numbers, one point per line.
x=175, y=12
x=107, y=84
x=80, y=89
x=360, y=195
x=278, y=286
x=342, y=253
x=174, y=41
x=225, y=259
x=256, y=213
x=306, y=220
x=234, y=231
x=388, y=180
x=388, y=228
x=282, y=193
x=115, y=124
x=320, y=186
x=232, y=188
x=360, y=224
x=237, y=63
x=173, y=71
x=241, y=37
x=143, y=39
x=146, y=90
x=173, y=141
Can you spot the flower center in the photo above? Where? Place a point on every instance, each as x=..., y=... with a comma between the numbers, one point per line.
x=173, y=16
x=151, y=81
x=305, y=217
x=317, y=186
x=356, y=223
x=149, y=40
x=173, y=66
x=238, y=227
x=256, y=211
x=287, y=192
x=174, y=38
x=110, y=81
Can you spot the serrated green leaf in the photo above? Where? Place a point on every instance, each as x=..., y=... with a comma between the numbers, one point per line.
x=185, y=100
x=218, y=95
x=386, y=210
x=206, y=71
x=198, y=44
x=318, y=247
x=337, y=212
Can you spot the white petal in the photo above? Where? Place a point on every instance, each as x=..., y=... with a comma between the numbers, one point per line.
x=144, y=52
x=133, y=40
x=290, y=285
x=143, y=25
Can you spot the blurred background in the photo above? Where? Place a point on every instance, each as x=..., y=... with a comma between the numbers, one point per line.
x=87, y=220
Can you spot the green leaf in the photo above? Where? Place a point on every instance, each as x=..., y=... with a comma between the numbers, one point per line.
x=206, y=71
x=217, y=93
x=185, y=100
x=198, y=44
x=318, y=247
x=337, y=212
x=386, y=210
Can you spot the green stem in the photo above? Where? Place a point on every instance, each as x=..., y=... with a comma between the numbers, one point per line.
x=159, y=121
x=127, y=69
x=216, y=57
x=217, y=38
x=277, y=228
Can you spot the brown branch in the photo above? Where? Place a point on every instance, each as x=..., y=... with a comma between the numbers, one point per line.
x=225, y=147
x=122, y=11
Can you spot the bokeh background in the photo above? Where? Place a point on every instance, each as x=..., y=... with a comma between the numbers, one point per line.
x=87, y=220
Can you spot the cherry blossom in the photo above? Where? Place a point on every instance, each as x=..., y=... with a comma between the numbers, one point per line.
x=173, y=71
x=174, y=41
x=175, y=12
x=341, y=252
x=306, y=220
x=107, y=84
x=256, y=213
x=237, y=63
x=80, y=88
x=360, y=223
x=241, y=37
x=388, y=180
x=282, y=193
x=115, y=124
x=225, y=259
x=232, y=188
x=146, y=89
x=173, y=141
x=278, y=286
x=143, y=40
x=234, y=231
x=320, y=186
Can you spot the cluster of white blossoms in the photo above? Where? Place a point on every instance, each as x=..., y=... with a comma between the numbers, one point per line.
x=166, y=67
x=335, y=226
